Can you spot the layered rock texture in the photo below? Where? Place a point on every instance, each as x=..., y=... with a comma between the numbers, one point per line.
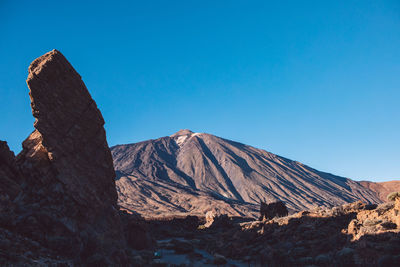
x=192, y=173
x=59, y=192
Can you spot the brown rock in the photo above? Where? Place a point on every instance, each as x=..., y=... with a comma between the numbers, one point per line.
x=210, y=217
x=68, y=167
x=70, y=127
x=9, y=175
x=276, y=209
x=397, y=204
x=216, y=220
x=136, y=231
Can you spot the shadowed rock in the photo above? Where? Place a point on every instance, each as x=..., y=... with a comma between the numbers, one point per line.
x=69, y=201
x=276, y=209
x=9, y=174
x=69, y=129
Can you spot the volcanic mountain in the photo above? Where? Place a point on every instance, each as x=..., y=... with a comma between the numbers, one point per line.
x=192, y=173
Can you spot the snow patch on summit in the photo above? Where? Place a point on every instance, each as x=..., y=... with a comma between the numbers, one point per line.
x=181, y=139
x=196, y=134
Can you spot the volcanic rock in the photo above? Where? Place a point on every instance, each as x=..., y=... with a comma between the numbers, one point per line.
x=269, y=211
x=69, y=201
x=348, y=235
x=9, y=174
x=136, y=231
x=214, y=220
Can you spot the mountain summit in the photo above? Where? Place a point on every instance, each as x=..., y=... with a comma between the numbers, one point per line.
x=191, y=172
x=182, y=133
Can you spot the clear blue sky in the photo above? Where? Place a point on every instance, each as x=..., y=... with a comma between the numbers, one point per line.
x=314, y=81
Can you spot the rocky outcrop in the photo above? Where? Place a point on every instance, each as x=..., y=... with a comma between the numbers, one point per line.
x=9, y=174
x=271, y=210
x=68, y=201
x=385, y=218
x=355, y=234
x=215, y=220
x=69, y=131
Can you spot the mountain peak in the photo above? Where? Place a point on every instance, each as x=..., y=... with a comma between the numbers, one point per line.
x=182, y=132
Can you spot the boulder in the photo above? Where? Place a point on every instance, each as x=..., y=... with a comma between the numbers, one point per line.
x=216, y=220
x=269, y=211
x=210, y=216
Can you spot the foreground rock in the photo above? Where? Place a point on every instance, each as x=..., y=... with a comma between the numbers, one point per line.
x=383, y=219
x=9, y=173
x=61, y=188
x=355, y=234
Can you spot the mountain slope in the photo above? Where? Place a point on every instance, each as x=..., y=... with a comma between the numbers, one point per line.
x=173, y=170
x=382, y=189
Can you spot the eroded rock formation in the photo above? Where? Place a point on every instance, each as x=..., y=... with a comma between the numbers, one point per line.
x=64, y=175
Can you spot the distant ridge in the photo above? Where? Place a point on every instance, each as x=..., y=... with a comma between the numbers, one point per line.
x=382, y=189
x=191, y=173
